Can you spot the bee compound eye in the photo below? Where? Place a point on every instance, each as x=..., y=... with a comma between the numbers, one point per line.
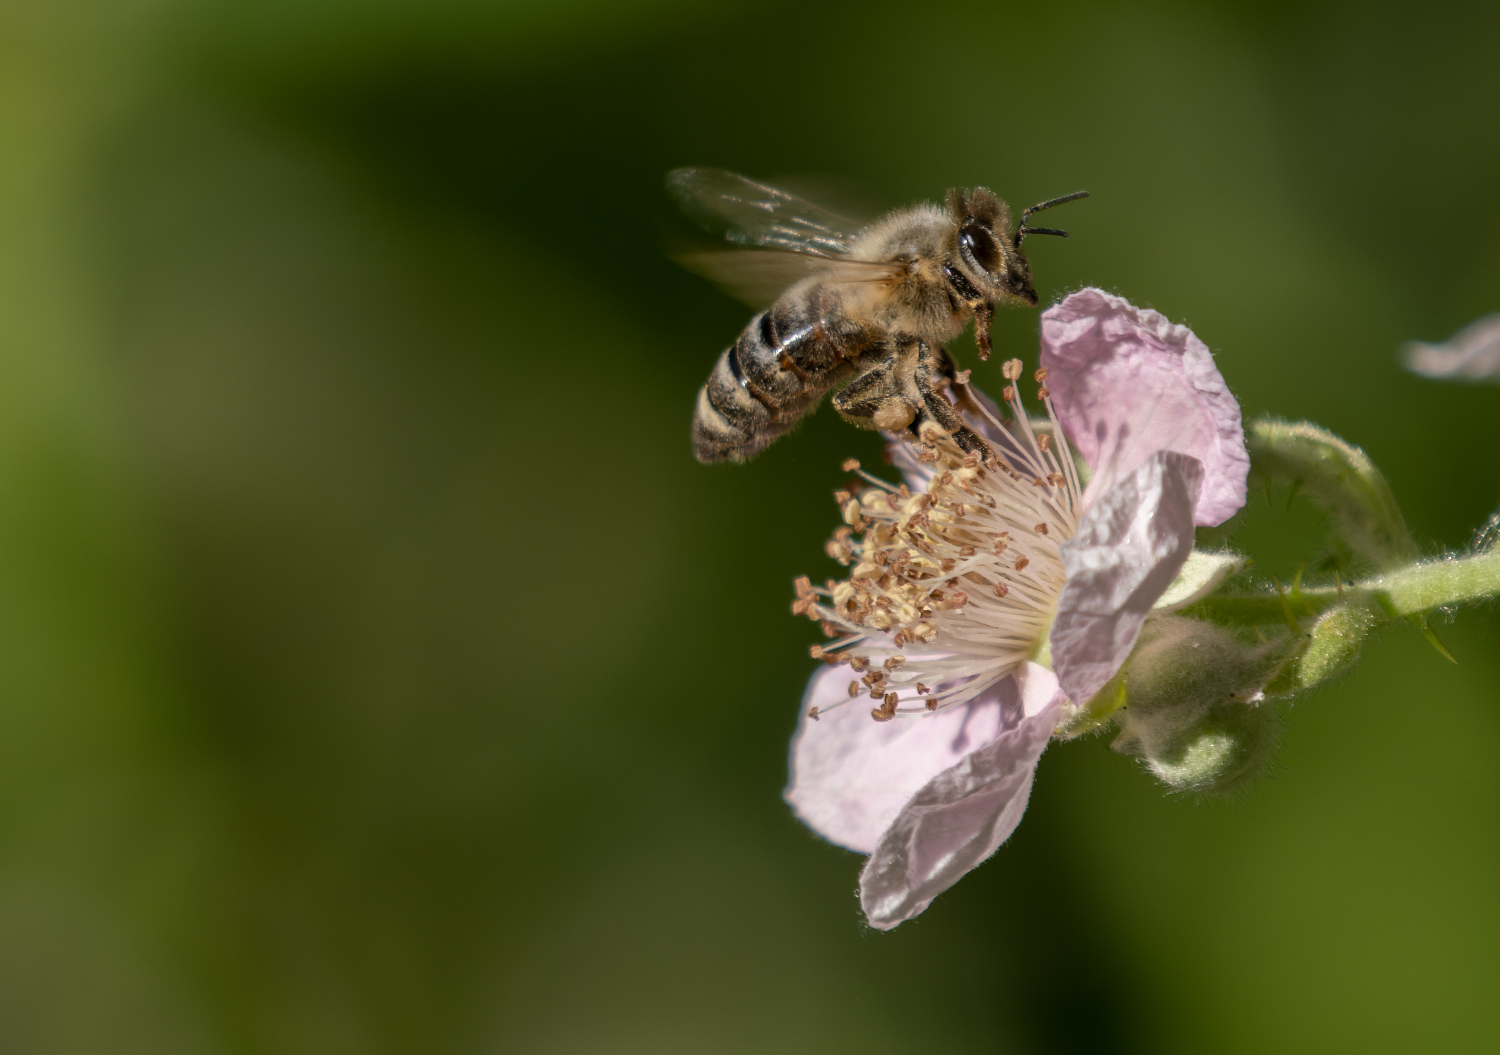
x=981, y=247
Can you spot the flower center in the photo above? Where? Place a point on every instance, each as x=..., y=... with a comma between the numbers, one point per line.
x=954, y=587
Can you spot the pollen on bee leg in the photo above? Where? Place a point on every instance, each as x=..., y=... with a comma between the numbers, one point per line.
x=932, y=432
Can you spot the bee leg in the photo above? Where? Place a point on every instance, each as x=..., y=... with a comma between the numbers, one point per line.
x=935, y=370
x=882, y=395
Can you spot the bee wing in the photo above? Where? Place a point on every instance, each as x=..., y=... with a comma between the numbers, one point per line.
x=759, y=276
x=755, y=214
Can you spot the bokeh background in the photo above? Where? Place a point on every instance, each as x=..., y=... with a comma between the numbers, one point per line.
x=379, y=673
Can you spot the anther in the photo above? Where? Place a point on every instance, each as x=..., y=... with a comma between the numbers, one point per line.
x=966, y=551
x=1001, y=589
x=923, y=689
x=1044, y=441
x=841, y=497
x=803, y=585
x=1041, y=375
x=812, y=712
x=1055, y=479
x=1008, y=393
x=854, y=689
x=859, y=663
x=1044, y=393
x=932, y=704
x=1011, y=370
x=1040, y=529
x=815, y=651
x=1021, y=563
x=850, y=465
x=962, y=377
x=887, y=709
x=892, y=662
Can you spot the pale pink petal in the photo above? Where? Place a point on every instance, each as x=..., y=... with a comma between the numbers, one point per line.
x=1126, y=383
x=1471, y=354
x=964, y=813
x=1129, y=547
x=851, y=774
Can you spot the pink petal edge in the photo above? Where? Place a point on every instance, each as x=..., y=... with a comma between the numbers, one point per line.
x=1127, y=382
x=963, y=814
x=1129, y=547
x=850, y=775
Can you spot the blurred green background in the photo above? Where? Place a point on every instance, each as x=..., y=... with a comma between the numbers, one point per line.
x=379, y=673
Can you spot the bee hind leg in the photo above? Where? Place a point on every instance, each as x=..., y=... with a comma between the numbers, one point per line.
x=882, y=396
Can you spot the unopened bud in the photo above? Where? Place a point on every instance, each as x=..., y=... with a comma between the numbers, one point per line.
x=1194, y=712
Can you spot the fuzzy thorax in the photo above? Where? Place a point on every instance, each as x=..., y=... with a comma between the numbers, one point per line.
x=953, y=587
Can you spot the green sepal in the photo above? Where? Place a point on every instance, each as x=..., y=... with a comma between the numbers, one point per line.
x=1095, y=714
x=1334, y=643
x=1339, y=477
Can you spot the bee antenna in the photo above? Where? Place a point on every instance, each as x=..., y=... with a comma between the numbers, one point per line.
x=1022, y=231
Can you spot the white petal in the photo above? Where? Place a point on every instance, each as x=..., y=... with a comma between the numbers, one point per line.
x=1129, y=547
x=851, y=774
x=964, y=813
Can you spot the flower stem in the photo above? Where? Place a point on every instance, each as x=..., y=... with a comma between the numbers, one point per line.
x=1408, y=591
x=1423, y=586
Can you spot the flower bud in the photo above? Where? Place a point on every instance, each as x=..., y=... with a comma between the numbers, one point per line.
x=1195, y=713
x=1334, y=643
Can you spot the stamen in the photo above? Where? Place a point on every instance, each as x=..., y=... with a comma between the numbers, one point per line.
x=942, y=568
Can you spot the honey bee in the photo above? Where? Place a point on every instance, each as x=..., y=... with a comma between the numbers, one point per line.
x=863, y=311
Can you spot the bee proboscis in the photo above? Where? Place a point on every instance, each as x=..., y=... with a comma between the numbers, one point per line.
x=864, y=311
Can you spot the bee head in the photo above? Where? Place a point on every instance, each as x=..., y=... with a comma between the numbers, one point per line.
x=986, y=255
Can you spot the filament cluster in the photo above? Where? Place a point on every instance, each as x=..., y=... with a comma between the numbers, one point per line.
x=951, y=587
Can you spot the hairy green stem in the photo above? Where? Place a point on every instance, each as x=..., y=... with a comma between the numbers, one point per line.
x=1425, y=586
x=1412, y=590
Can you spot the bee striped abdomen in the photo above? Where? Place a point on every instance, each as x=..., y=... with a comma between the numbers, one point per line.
x=777, y=370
